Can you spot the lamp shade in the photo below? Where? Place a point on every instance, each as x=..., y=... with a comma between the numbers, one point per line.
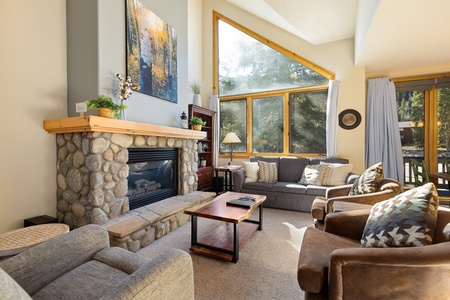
x=231, y=138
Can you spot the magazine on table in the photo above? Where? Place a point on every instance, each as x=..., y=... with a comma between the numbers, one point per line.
x=242, y=202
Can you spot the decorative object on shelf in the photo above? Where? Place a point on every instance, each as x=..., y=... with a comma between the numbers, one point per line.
x=196, y=88
x=231, y=138
x=349, y=119
x=124, y=92
x=197, y=123
x=151, y=44
x=105, y=106
x=81, y=108
x=200, y=147
x=184, y=121
x=202, y=162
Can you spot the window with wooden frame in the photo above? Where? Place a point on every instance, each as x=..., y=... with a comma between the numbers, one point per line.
x=423, y=107
x=272, y=98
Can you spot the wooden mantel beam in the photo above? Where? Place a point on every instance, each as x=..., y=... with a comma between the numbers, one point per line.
x=100, y=124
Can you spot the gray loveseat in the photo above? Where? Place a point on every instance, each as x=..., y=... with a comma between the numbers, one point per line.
x=81, y=265
x=287, y=193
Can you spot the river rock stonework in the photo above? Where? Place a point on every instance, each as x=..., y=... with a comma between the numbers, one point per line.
x=92, y=173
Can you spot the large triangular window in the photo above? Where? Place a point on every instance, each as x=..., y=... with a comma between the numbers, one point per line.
x=274, y=99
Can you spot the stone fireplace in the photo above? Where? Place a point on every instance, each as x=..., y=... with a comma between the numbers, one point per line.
x=93, y=170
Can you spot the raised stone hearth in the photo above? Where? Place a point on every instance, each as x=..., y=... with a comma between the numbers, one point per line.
x=92, y=171
x=140, y=227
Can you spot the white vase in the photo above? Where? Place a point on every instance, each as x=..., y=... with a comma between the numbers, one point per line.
x=198, y=99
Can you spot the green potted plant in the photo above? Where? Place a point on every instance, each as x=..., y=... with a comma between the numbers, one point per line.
x=105, y=106
x=202, y=161
x=197, y=123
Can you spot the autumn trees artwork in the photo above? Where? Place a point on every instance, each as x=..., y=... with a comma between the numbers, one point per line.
x=151, y=53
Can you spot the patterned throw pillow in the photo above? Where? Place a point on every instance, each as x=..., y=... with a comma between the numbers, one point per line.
x=368, y=181
x=408, y=219
x=335, y=174
x=268, y=172
x=312, y=174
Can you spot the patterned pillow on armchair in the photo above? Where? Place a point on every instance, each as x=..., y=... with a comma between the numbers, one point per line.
x=368, y=181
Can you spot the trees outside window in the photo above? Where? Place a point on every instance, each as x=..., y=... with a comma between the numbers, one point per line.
x=272, y=98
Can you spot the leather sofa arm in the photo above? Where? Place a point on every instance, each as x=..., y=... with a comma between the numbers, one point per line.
x=370, y=199
x=348, y=224
x=390, y=273
x=337, y=191
x=238, y=179
x=168, y=276
x=37, y=267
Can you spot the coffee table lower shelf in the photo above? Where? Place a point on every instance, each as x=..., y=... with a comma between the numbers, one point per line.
x=219, y=243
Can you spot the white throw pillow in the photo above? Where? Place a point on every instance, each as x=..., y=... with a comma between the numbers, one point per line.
x=335, y=174
x=251, y=171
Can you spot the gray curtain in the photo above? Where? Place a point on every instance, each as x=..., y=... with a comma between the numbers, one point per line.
x=382, y=131
x=332, y=118
x=215, y=106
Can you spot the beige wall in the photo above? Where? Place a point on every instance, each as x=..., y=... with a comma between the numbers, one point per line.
x=33, y=84
x=336, y=57
x=33, y=63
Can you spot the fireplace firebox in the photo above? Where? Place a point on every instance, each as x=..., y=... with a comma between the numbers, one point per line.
x=153, y=175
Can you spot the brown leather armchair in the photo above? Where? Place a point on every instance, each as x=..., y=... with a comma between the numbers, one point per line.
x=321, y=206
x=333, y=266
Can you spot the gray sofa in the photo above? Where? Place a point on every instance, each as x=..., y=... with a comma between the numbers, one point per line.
x=81, y=265
x=287, y=193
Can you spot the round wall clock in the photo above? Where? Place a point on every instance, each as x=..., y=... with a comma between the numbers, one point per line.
x=349, y=119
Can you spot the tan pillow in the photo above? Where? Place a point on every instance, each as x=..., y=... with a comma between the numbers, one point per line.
x=335, y=174
x=268, y=172
x=251, y=171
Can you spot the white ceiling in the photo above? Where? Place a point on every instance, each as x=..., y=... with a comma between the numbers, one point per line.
x=390, y=34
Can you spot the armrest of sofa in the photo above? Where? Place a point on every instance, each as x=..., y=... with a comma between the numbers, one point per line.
x=337, y=191
x=369, y=199
x=238, y=179
x=349, y=224
x=40, y=265
x=168, y=276
x=390, y=273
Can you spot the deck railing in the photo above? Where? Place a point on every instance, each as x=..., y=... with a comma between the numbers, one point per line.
x=408, y=172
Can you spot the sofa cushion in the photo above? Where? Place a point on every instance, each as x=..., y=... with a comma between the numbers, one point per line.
x=291, y=168
x=251, y=171
x=312, y=174
x=289, y=187
x=88, y=281
x=259, y=186
x=368, y=181
x=10, y=289
x=316, y=190
x=408, y=219
x=268, y=172
x=336, y=174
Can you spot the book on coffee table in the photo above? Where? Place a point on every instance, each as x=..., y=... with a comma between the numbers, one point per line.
x=242, y=202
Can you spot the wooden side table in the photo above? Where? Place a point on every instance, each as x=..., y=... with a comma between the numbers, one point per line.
x=19, y=240
x=228, y=179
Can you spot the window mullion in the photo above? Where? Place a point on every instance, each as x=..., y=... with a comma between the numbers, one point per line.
x=286, y=123
x=249, y=125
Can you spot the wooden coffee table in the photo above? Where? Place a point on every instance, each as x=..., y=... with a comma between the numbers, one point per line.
x=228, y=238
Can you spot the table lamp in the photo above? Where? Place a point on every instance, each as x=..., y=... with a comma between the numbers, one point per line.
x=231, y=138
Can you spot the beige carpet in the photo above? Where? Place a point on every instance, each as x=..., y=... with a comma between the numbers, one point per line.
x=267, y=266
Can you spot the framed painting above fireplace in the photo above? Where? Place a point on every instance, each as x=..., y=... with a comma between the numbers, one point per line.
x=151, y=53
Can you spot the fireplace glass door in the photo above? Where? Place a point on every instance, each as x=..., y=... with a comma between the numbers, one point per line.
x=152, y=175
